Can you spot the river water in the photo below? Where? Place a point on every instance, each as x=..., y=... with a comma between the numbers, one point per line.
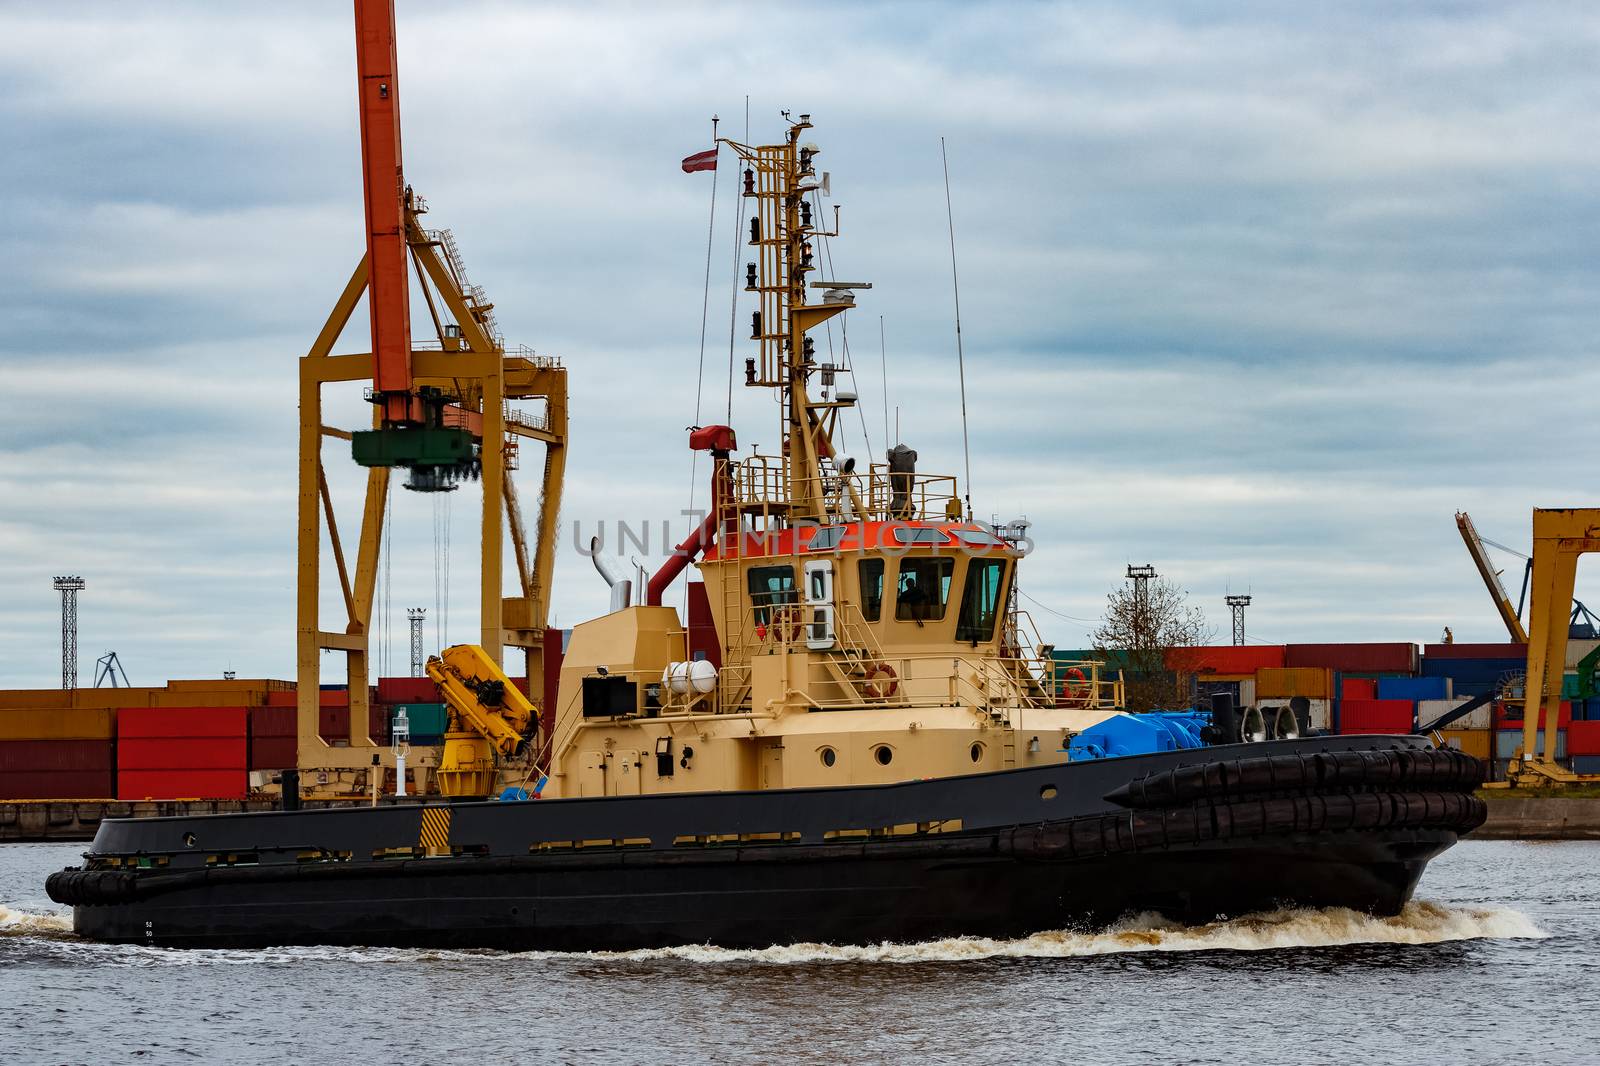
x=1498, y=960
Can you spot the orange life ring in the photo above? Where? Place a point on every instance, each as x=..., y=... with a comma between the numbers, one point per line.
x=1074, y=688
x=784, y=616
x=881, y=690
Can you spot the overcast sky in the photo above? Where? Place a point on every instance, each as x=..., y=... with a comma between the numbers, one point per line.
x=1261, y=294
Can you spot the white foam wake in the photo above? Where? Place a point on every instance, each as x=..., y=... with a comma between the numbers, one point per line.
x=1421, y=922
x=1418, y=923
x=30, y=923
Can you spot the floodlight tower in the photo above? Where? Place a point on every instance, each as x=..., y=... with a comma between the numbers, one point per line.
x=69, y=587
x=1141, y=576
x=1237, y=604
x=416, y=614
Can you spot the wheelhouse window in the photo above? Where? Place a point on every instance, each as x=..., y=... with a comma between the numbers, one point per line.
x=771, y=586
x=923, y=589
x=980, y=600
x=871, y=574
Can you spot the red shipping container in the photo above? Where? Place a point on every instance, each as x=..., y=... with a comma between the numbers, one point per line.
x=274, y=753
x=1359, y=688
x=56, y=784
x=1503, y=719
x=1376, y=716
x=1355, y=658
x=408, y=690
x=182, y=753
x=1231, y=659
x=333, y=723
x=1583, y=738
x=182, y=722
x=182, y=784
x=1475, y=651
x=274, y=722
x=54, y=756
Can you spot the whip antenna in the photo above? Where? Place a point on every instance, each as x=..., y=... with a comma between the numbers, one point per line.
x=883, y=366
x=961, y=362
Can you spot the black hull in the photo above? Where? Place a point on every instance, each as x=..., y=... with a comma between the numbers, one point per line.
x=1252, y=836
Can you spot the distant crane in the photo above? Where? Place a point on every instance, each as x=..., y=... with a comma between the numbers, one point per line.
x=1509, y=614
x=69, y=587
x=108, y=672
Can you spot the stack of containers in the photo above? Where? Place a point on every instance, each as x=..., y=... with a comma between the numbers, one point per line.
x=1315, y=683
x=333, y=716
x=1351, y=665
x=167, y=753
x=1476, y=670
x=54, y=752
x=1227, y=669
x=425, y=713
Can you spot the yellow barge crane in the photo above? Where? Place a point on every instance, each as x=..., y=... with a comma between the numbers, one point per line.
x=489, y=718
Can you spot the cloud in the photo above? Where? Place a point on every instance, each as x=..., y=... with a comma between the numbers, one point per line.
x=1260, y=296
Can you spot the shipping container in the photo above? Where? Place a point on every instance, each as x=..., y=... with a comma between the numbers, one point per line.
x=333, y=724
x=1228, y=659
x=1414, y=688
x=57, y=723
x=1510, y=715
x=1376, y=716
x=1577, y=650
x=1247, y=692
x=1474, y=742
x=1475, y=651
x=274, y=753
x=183, y=753
x=34, y=698
x=182, y=722
x=1583, y=738
x=1432, y=710
x=407, y=690
x=57, y=784
x=55, y=755
x=1354, y=658
x=182, y=784
x=1358, y=688
x=1586, y=764
x=1312, y=682
x=110, y=699
x=1474, y=677
x=427, y=720
x=1507, y=742
x=237, y=684
x=274, y=722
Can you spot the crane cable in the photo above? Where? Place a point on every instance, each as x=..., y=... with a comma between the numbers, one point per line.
x=705, y=307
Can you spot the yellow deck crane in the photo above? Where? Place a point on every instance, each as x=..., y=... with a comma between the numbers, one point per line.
x=1560, y=535
x=490, y=720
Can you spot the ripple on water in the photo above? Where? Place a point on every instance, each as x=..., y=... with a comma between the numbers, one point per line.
x=1421, y=922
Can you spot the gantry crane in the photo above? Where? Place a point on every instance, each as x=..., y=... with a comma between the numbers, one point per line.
x=440, y=412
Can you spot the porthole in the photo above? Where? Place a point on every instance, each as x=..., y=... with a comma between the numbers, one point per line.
x=976, y=751
x=884, y=754
x=1048, y=792
x=828, y=756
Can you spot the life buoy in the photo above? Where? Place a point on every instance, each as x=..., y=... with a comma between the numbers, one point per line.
x=881, y=682
x=784, y=623
x=1074, y=688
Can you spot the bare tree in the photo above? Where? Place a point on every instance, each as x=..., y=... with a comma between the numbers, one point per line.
x=1138, y=629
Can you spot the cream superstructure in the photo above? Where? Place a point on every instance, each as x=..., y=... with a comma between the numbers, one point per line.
x=865, y=627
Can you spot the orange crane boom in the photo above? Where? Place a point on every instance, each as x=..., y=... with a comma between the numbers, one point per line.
x=384, y=189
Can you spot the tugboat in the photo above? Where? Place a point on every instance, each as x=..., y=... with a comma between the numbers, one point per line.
x=856, y=738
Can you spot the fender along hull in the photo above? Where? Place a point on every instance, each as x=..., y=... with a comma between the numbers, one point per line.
x=1193, y=835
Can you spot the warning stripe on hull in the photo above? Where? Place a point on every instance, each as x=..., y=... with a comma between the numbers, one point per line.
x=435, y=835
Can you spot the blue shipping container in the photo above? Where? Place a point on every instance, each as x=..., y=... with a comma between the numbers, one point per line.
x=1586, y=764
x=1414, y=688
x=1507, y=741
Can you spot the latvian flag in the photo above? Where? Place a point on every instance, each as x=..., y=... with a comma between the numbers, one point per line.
x=706, y=160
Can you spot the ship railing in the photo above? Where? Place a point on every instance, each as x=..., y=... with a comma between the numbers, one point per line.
x=762, y=483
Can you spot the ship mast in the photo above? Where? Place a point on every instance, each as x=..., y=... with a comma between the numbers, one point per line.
x=780, y=179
